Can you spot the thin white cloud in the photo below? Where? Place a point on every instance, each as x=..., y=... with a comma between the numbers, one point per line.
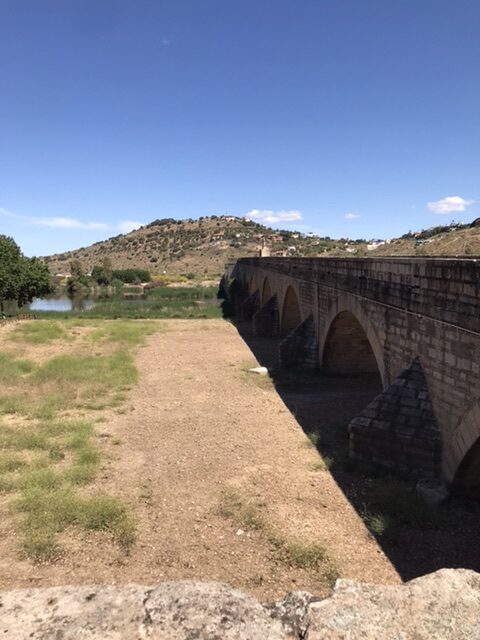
x=67, y=223
x=352, y=216
x=53, y=222
x=129, y=225
x=272, y=217
x=450, y=204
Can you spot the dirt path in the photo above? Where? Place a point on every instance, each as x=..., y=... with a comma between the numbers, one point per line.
x=195, y=425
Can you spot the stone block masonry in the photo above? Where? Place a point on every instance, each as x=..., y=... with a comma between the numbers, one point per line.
x=398, y=431
x=300, y=348
x=265, y=320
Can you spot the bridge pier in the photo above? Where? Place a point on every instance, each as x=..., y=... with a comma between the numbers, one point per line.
x=265, y=320
x=397, y=431
x=250, y=305
x=300, y=347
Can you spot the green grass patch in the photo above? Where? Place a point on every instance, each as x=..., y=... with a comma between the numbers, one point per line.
x=10, y=462
x=47, y=457
x=11, y=404
x=183, y=293
x=12, y=369
x=38, y=332
x=49, y=510
x=130, y=333
x=65, y=382
x=47, y=495
x=116, y=370
x=82, y=380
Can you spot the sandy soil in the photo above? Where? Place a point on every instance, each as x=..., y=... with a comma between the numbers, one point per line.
x=196, y=424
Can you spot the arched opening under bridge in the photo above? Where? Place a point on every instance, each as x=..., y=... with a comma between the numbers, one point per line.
x=291, y=316
x=347, y=348
x=467, y=478
x=266, y=291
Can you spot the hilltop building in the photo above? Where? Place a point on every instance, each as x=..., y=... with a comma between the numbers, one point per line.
x=265, y=251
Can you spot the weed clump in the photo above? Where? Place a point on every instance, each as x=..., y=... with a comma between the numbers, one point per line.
x=393, y=505
x=304, y=556
x=127, y=333
x=245, y=512
x=312, y=441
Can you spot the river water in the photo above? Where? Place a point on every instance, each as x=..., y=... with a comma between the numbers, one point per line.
x=61, y=304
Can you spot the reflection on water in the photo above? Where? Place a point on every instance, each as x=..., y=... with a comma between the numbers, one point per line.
x=62, y=303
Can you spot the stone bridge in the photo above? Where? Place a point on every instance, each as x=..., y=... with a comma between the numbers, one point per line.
x=413, y=321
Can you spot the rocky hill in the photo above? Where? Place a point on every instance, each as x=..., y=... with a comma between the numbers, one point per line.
x=203, y=246
x=200, y=246
x=454, y=240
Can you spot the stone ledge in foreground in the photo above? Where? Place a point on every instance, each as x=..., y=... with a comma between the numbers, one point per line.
x=441, y=606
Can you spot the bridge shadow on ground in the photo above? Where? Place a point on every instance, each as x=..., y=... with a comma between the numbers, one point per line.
x=417, y=538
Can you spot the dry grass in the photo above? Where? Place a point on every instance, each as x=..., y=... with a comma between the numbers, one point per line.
x=249, y=514
x=40, y=332
x=47, y=454
x=262, y=381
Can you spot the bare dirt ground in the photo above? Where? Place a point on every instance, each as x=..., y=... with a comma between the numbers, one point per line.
x=194, y=426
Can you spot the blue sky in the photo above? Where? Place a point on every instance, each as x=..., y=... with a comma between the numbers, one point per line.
x=342, y=117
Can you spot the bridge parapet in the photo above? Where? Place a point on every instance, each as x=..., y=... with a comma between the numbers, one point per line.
x=446, y=289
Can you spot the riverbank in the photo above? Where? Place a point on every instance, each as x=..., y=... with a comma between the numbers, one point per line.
x=152, y=303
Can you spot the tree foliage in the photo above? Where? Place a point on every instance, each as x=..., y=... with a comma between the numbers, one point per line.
x=103, y=274
x=76, y=268
x=21, y=278
x=78, y=284
x=132, y=276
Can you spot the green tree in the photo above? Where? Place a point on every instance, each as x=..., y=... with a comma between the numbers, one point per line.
x=21, y=278
x=103, y=274
x=76, y=268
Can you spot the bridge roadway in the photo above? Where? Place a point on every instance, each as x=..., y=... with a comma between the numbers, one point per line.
x=414, y=321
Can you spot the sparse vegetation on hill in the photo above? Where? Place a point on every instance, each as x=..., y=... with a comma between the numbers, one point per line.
x=194, y=248
x=454, y=239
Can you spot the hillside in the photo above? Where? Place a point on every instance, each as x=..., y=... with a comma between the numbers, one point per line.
x=203, y=246
x=449, y=240
x=200, y=246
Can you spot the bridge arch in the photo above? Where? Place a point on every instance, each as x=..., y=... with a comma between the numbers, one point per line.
x=462, y=466
x=349, y=343
x=291, y=315
x=266, y=290
x=467, y=477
